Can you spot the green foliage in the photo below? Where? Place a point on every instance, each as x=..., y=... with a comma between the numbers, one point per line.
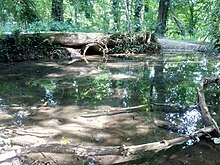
x=7, y=27
x=37, y=27
x=20, y=11
x=200, y=18
x=215, y=26
x=196, y=18
x=102, y=84
x=52, y=26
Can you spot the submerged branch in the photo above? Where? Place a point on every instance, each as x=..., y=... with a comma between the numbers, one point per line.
x=115, y=111
x=204, y=109
x=94, y=151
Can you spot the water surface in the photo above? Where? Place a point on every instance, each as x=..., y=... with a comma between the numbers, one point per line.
x=165, y=84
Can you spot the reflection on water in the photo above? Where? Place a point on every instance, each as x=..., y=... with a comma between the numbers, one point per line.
x=49, y=98
x=167, y=80
x=186, y=122
x=18, y=119
x=170, y=79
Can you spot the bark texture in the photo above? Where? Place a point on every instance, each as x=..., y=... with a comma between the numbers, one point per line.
x=162, y=17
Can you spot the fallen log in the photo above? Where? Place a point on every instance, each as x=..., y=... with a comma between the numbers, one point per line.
x=82, y=151
x=77, y=39
x=202, y=104
x=94, y=151
x=45, y=44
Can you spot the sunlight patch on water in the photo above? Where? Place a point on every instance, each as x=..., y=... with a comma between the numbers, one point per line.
x=49, y=98
x=125, y=97
x=186, y=122
x=19, y=118
x=2, y=104
x=190, y=121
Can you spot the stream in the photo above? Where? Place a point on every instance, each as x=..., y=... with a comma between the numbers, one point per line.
x=72, y=103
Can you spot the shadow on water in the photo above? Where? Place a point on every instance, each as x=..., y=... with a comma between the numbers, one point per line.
x=35, y=93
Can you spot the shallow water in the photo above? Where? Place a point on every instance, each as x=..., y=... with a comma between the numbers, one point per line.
x=166, y=84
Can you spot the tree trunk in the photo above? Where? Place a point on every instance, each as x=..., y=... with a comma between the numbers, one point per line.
x=88, y=9
x=162, y=17
x=160, y=88
x=76, y=15
x=192, y=21
x=116, y=15
x=128, y=16
x=57, y=10
x=137, y=14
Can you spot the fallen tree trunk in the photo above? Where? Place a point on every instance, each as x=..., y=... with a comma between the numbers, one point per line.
x=82, y=151
x=92, y=151
x=30, y=45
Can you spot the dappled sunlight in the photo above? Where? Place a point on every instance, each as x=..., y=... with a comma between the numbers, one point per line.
x=95, y=104
x=187, y=122
x=109, y=82
x=99, y=129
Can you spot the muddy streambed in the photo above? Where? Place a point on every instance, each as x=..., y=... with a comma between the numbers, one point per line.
x=89, y=104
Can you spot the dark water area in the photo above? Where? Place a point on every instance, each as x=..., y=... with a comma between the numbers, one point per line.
x=167, y=84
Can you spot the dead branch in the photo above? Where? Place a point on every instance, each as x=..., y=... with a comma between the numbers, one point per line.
x=93, y=151
x=115, y=111
x=166, y=144
x=204, y=109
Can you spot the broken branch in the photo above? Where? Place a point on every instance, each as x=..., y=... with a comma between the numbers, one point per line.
x=202, y=104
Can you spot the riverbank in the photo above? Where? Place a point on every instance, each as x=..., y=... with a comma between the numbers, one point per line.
x=76, y=46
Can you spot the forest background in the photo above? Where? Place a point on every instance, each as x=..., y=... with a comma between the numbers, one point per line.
x=193, y=20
